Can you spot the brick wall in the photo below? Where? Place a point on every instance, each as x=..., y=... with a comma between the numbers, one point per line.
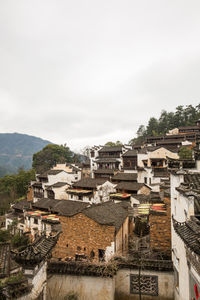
x=81, y=235
x=160, y=230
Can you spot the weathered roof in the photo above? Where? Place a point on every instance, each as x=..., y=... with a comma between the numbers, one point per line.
x=49, y=172
x=189, y=232
x=89, y=183
x=189, y=127
x=61, y=207
x=107, y=213
x=107, y=160
x=130, y=153
x=4, y=255
x=193, y=180
x=111, y=149
x=6, y=263
x=104, y=171
x=57, y=185
x=37, y=184
x=130, y=186
x=125, y=177
x=36, y=252
x=23, y=204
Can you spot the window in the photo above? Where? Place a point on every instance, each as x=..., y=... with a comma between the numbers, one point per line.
x=145, y=180
x=80, y=197
x=148, y=285
x=35, y=221
x=92, y=254
x=78, y=248
x=101, y=255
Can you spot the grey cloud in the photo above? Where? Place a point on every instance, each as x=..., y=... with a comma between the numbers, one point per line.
x=87, y=71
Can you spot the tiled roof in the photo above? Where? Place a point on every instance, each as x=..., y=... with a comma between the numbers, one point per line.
x=37, y=184
x=130, y=153
x=125, y=177
x=193, y=180
x=61, y=207
x=107, y=213
x=188, y=127
x=6, y=263
x=104, y=171
x=111, y=149
x=36, y=252
x=89, y=183
x=23, y=204
x=57, y=185
x=50, y=172
x=189, y=232
x=107, y=160
x=130, y=186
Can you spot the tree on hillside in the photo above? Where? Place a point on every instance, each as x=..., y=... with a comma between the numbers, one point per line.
x=50, y=155
x=183, y=116
x=185, y=153
x=16, y=185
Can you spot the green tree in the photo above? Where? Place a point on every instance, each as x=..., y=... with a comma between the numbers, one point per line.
x=19, y=240
x=185, y=153
x=50, y=155
x=110, y=144
x=13, y=187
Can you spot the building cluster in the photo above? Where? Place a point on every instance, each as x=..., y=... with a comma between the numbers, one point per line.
x=135, y=207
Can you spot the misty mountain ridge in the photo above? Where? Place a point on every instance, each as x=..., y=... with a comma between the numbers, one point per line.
x=16, y=151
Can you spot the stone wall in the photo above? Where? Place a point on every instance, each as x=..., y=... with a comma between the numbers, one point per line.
x=83, y=236
x=160, y=230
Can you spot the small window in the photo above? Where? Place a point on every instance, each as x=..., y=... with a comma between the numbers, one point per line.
x=92, y=254
x=35, y=221
x=78, y=248
x=146, y=284
x=101, y=255
x=145, y=180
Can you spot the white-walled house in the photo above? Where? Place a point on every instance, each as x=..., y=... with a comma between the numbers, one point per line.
x=53, y=179
x=152, y=166
x=91, y=190
x=185, y=211
x=56, y=191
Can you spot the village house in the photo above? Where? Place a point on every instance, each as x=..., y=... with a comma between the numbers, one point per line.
x=106, y=157
x=46, y=183
x=56, y=191
x=130, y=161
x=91, y=190
x=152, y=166
x=33, y=260
x=133, y=188
x=96, y=233
x=185, y=212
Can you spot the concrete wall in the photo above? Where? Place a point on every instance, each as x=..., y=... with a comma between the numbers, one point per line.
x=165, y=285
x=85, y=287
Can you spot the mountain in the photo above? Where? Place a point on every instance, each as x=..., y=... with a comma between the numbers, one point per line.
x=16, y=151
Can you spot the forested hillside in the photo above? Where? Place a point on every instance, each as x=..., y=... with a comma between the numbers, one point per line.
x=183, y=116
x=16, y=151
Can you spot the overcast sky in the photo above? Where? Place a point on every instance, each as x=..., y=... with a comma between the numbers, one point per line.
x=84, y=72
